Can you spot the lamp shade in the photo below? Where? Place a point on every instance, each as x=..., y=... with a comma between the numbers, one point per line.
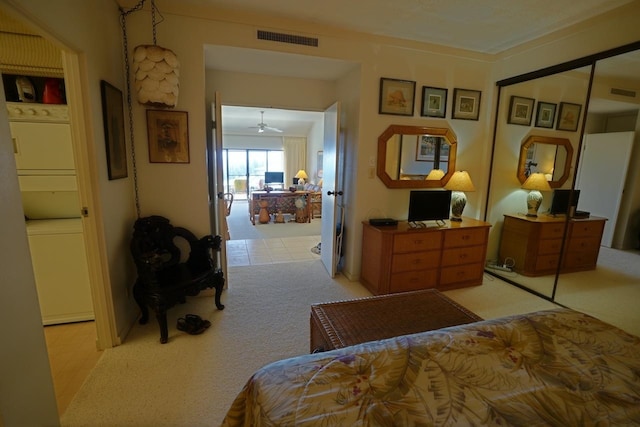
x=156, y=71
x=301, y=174
x=460, y=181
x=435, y=175
x=537, y=181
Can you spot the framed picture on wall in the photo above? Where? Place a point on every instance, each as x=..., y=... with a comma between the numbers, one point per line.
x=168, y=136
x=520, y=110
x=113, y=121
x=434, y=102
x=568, y=116
x=545, y=114
x=466, y=104
x=396, y=97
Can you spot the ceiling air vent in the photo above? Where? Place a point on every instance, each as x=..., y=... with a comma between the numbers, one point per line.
x=287, y=38
x=623, y=92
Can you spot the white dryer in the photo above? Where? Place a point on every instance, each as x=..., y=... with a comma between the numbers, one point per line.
x=60, y=269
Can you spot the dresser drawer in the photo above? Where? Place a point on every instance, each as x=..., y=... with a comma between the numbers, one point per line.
x=584, y=244
x=547, y=262
x=416, y=242
x=413, y=280
x=580, y=260
x=549, y=246
x=451, y=276
x=553, y=230
x=464, y=255
x=465, y=237
x=415, y=261
x=587, y=228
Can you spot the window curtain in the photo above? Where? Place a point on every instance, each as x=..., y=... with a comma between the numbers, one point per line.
x=295, y=158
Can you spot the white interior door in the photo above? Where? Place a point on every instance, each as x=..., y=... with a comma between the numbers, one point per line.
x=601, y=175
x=332, y=210
x=217, y=208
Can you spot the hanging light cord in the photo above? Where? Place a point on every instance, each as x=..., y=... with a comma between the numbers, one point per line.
x=123, y=23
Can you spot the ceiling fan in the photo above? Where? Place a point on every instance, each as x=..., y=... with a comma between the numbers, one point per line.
x=262, y=126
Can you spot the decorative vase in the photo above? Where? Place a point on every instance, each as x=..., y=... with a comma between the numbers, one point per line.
x=263, y=217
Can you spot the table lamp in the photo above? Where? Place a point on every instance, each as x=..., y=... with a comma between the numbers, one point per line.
x=435, y=175
x=458, y=184
x=302, y=176
x=535, y=183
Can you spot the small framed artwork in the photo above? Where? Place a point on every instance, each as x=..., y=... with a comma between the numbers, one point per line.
x=568, y=116
x=396, y=97
x=426, y=149
x=520, y=110
x=113, y=121
x=545, y=115
x=434, y=102
x=168, y=136
x=466, y=104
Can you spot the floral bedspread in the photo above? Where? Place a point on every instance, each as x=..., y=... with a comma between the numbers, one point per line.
x=556, y=367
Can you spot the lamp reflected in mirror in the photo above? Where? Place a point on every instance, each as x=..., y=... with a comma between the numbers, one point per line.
x=459, y=183
x=435, y=175
x=535, y=183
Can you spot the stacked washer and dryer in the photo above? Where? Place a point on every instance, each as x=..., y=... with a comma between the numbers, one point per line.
x=41, y=136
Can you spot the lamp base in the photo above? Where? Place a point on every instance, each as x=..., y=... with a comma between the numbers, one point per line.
x=534, y=199
x=458, y=202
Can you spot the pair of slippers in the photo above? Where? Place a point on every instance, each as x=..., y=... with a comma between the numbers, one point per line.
x=193, y=324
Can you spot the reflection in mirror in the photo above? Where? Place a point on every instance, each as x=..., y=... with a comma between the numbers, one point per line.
x=410, y=156
x=547, y=155
x=515, y=245
x=602, y=277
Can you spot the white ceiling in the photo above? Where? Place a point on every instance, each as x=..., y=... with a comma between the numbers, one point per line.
x=485, y=26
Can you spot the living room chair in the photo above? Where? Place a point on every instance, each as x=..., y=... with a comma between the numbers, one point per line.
x=228, y=201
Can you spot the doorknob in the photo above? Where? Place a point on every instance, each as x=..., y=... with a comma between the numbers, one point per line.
x=332, y=193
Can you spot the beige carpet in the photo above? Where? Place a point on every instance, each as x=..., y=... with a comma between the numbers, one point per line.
x=192, y=380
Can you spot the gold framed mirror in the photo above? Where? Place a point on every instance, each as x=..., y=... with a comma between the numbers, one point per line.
x=407, y=155
x=548, y=155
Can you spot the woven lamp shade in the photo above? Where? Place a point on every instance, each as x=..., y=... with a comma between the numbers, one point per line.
x=156, y=71
x=435, y=175
x=537, y=181
x=460, y=181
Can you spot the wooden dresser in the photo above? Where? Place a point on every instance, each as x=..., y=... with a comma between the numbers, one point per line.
x=400, y=258
x=534, y=244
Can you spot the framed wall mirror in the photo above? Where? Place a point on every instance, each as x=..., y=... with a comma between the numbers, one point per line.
x=548, y=155
x=588, y=262
x=416, y=156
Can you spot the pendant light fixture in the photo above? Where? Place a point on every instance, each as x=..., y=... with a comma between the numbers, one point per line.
x=156, y=71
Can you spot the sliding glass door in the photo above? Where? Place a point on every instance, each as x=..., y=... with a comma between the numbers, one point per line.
x=244, y=169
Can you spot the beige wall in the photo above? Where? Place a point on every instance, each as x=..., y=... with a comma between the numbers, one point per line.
x=180, y=191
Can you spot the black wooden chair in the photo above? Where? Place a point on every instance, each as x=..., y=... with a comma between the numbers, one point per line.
x=166, y=274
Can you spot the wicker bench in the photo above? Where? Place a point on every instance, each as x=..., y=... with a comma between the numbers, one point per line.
x=344, y=323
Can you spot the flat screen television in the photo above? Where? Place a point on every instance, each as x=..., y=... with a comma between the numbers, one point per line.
x=560, y=202
x=274, y=177
x=431, y=205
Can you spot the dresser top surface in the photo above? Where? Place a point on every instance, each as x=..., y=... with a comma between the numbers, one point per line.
x=547, y=218
x=404, y=226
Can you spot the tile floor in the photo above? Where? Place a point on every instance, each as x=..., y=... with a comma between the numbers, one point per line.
x=72, y=355
x=268, y=251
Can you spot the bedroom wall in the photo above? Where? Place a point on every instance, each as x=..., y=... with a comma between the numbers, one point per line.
x=378, y=57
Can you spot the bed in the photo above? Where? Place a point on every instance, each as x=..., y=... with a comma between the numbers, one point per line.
x=555, y=367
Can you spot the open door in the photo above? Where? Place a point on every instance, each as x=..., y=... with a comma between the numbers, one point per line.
x=217, y=207
x=601, y=193
x=332, y=209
